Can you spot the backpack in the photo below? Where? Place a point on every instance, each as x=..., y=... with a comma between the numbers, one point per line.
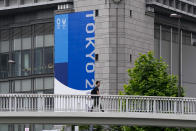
x=93, y=91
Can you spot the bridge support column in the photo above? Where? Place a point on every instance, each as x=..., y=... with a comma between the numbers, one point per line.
x=76, y=128
x=91, y=128
x=68, y=128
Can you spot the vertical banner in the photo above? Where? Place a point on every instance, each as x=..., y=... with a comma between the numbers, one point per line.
x=74, y=53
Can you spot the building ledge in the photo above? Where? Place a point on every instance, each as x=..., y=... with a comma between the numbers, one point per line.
x=183, y=7
x=23, y=7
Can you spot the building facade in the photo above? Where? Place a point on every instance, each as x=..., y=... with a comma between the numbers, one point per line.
x=123, y=30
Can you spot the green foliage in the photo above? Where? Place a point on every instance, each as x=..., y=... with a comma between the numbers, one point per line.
x=150, y=77
x=135, y=128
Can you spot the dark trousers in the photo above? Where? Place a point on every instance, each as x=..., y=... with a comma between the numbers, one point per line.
x=96, y=102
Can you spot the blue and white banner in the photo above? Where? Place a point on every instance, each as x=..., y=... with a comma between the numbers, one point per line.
x=74, y=53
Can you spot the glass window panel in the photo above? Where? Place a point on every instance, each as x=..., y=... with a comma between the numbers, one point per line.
x=28, y=1
x=49, y=83
x=4, y=65
x=17, y=85
x=3, y=127
x=48, y=127
x=4, y=46
x=49, y=40
x=38, y=66
x=166, y=52
x=26, y=69
x=26, y=85
x=1, y=3
x=38, y=127
x=42, y=0
x=17, y=44
x=157, y=31
x=13, y=2
x=175, y=58
x=26, y=43
x=39, y=41
x=16, y=127
x=157, y=41
x=166, y=45
x=17, y=39
x=156, y=48
x=17, y=64
x=26, y=37
x=48, y=60
x=4, y=87
x=194, y=38
x=39, y=84
x=49, y=37
x=188, y=63
x=4, y=41
x=39, y=38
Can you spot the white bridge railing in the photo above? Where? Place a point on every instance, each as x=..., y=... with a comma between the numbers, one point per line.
x=106, y=103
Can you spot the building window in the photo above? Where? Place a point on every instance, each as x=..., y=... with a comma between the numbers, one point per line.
x=38, y=85
x=166, y=44
x=48, y=60
x=44, y=42
x=4, y=41
x=38, y=60
x=17, y=86
x=26, y=37
x=3, y=65
x=17, y=39
x=48, y=35
x=26, y=68
x=12, y=2
x=26, y=86
x=4, y=88
x=2, y=3
x=42, y=0
x=194, y=39
x=4, y=49
x=27, y=1
x=157, y=41
x=48, y=84
x=39, y=35
x=17, y=63
x=32, y=48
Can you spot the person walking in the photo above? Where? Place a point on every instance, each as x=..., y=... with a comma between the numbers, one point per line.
x=95, y=91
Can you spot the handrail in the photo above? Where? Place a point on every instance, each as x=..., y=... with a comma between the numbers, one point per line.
x=89, y=103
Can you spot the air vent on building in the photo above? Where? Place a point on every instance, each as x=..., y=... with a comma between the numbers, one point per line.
x=65, y=6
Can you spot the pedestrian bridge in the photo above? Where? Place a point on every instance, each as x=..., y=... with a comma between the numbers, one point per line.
x=118, y=110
